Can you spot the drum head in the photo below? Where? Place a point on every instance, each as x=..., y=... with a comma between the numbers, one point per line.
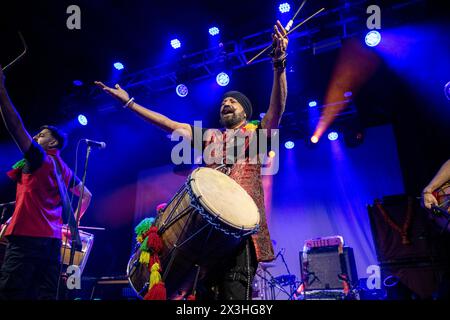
x=225, y=198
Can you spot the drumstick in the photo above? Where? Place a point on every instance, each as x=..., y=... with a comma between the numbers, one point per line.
x=91, y=228
x=21, y=55
x=291, y=22
x=296, y=27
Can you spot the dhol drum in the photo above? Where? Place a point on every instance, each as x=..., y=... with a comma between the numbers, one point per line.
x=81, y=256
x=200, y=227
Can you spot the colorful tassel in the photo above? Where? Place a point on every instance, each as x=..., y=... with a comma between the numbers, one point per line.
x=155, y=276
x=154, y=242
x=157, y=292
x=144, y=226
x=153, y=259
x=144, y=257
x=144, y=246
x=19, y=164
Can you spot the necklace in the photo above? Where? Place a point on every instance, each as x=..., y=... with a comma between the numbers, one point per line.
x=403, y=230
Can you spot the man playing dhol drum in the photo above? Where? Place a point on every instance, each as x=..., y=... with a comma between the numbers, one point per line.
x=234, y=281
x=31, y=268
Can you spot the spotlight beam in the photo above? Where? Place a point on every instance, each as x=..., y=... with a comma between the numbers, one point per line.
x=292, y=30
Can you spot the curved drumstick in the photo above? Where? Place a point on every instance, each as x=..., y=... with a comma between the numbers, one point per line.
x=292, y=30
x=25, y=49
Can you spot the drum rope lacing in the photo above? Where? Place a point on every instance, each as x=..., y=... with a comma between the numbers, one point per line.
x=195, y=203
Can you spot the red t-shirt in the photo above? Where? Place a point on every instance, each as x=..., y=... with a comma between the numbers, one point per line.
x=38, y=211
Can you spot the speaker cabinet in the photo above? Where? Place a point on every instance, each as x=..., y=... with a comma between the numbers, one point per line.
x=323, y=268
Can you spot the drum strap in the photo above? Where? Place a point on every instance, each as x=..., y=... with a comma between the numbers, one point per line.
x=67, y=211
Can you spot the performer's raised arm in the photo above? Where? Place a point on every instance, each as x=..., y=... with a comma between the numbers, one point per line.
x=279, y=89
x=12, y=119
x=153, y=117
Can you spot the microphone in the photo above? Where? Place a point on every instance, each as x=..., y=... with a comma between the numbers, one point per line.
x=97, y=144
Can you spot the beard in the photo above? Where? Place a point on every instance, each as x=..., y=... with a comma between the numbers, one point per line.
x=231, y=121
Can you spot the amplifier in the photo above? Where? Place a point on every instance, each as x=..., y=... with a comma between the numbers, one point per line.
x=325, y=269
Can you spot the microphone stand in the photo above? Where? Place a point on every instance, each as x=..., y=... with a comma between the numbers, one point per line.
x=293, y=289
x=78, y=243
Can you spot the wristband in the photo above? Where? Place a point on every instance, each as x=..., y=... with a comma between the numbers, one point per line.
x=126, y=105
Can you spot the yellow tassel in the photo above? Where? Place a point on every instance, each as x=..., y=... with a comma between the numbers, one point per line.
x=144, y=257
x=139, y=239
x=155, y=276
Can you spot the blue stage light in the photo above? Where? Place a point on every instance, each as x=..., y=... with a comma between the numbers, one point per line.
x=333, y=136
x=312, y=104
x=223, y=79
x=118, y=65
x=175, y=43
x=214, y=31
x=77, y=83
x=82, y=120
x=373, y=38
x=284, y=7
x=182, y=90
x=289, y=144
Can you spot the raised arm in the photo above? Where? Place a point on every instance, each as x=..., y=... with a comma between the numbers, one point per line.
x=279, y=89
x=153, y=117
x=12, y=119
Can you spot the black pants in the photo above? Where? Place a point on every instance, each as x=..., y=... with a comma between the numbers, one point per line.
x=30, y=269
x=234, y=280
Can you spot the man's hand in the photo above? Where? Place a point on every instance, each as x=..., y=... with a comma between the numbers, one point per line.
x=117, y=93
x=429, y=200
x=280, y=41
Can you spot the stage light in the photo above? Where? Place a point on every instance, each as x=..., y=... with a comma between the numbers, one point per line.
x=223, y=79
x=373, y=38
x=447, y=90
x=333, y=136
x=272, y=154
x=284, y=7
x=82, y=120
x=118, y=65
x=314, y=139
x=182, y=90
x=77, y=83
x=348, y=94
x=214, y=31
x=353, y=136
x=175, y=43
x=289, y=145
x=262, y=114
x=312, y=104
